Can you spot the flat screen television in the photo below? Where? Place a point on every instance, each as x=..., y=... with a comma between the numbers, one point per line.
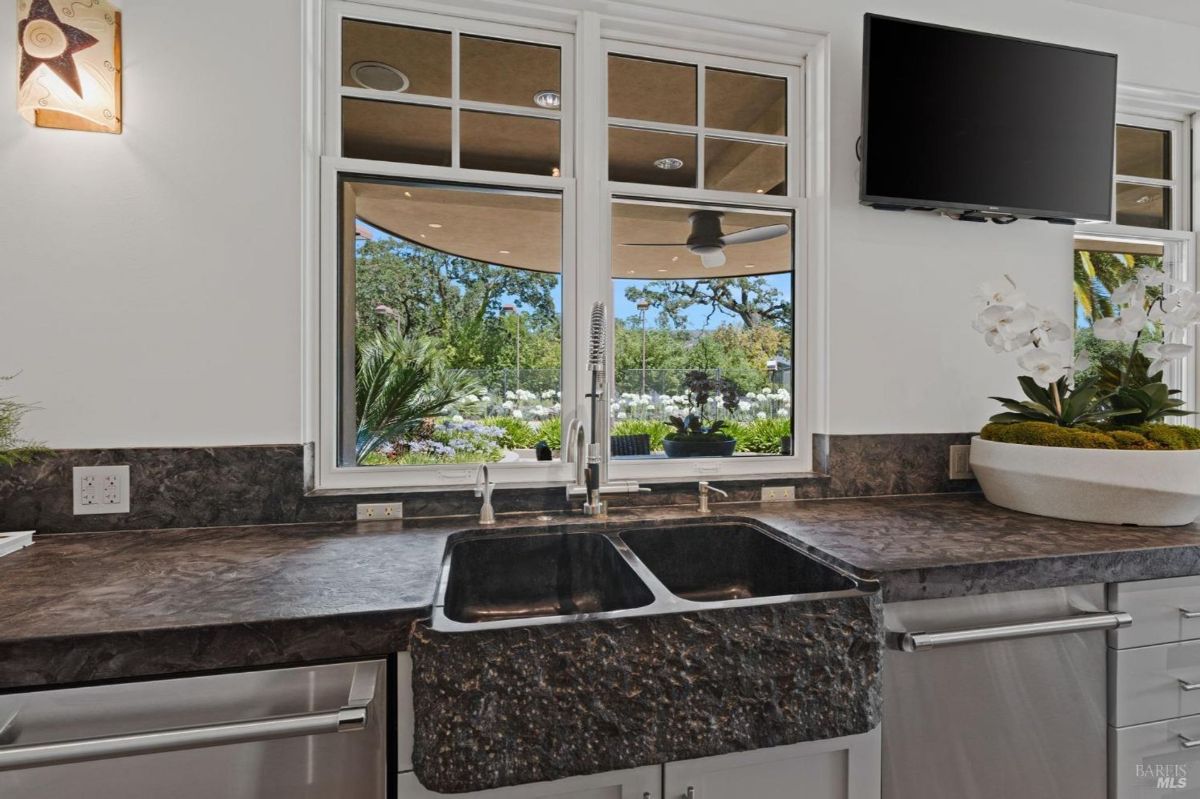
x=984, y=125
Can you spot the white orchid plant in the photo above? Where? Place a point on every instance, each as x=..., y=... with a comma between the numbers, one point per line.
x=1130, y=394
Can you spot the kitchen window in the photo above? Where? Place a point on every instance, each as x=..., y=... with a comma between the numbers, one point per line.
x=1151, y=229
x=483, y=183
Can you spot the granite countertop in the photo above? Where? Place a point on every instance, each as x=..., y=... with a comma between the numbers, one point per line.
x=97, y=606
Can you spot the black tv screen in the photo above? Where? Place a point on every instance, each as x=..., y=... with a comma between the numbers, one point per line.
x=965, y=121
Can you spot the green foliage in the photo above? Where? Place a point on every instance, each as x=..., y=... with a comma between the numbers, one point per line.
x=550, y=431
x=657, y=430
x=762, y=436
x=399, y=384
x=1132, y=388
x=518, y=433
x=13, y=449
x=752, y=300
x=1060, y=404
x=1139, y=437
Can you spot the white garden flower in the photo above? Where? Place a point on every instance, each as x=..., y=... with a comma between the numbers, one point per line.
x=516, y=414
x=508, y=405
x=761, y=415
x=782, y=412
x=1045, y=366
x=458, y=418
x=1124, y=328
x=622, y=415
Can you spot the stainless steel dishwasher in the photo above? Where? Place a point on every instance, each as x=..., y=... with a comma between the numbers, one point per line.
x=999, y=696
x=301, y=733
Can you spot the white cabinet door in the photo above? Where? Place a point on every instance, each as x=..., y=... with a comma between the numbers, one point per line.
x=638, y=783
x=841, y=768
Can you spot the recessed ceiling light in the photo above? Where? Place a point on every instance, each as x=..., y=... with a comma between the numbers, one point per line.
x=548, y=98
x=760, y=191
x=1145, y=198
x=662, y=270
x=422, y=235
x=674, y=258
x=379, y=76
x=505, y=252
x=555, y=173
x=632, y=271
x=408, y=194
x=749, y=266
x=669, y=163
x=434, y=225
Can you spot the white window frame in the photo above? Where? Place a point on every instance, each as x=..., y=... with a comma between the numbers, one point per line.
x=585, y=37
x=1148, y=108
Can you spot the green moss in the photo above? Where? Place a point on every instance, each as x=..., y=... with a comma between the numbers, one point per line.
x=1044, y=434
x=1172, y=436
x=1142, y=437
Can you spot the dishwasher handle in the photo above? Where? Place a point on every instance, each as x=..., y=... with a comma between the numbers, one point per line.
x=1086, y=622
x=142, y=743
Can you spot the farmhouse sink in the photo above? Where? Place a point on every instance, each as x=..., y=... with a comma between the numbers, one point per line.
x=532, y=576
x=723, y=562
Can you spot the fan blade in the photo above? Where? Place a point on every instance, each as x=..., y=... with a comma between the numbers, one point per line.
x=656, y=244
x=712, y=260
x=755, y=234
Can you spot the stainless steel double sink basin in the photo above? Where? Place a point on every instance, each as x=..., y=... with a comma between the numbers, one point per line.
x=523, y=577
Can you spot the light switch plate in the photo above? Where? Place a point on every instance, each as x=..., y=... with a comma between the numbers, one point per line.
x=101, y=489
x=960, y=462
x=778, y=493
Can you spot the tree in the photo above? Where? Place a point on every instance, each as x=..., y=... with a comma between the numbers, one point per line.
x=753, y=300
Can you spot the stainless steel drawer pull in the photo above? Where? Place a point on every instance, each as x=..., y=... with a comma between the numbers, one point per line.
x=141, y=743
x=919, y=641
x=1189, y=614
x=1184, y=685
x=1188, y=743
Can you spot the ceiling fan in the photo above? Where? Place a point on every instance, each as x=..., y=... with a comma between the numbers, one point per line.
x=709, y=242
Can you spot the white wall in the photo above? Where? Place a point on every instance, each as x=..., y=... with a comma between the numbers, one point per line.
x=150, y=282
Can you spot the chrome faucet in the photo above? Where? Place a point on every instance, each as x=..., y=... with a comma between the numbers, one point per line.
x=704, y=489
x=588, y=452
x=483, y=488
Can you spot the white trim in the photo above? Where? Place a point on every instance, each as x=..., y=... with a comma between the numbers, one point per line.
x=583, y=29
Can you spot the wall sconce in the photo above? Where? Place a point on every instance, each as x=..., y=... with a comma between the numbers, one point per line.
x=70, y=64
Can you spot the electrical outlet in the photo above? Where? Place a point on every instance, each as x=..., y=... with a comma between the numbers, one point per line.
x=379, y=511
x=101, y=489
x=778, y=493
x=960, y=462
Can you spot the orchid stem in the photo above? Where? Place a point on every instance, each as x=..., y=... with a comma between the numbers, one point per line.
x=1057, y=400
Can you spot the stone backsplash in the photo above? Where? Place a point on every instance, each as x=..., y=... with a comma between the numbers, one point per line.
x=211, y=486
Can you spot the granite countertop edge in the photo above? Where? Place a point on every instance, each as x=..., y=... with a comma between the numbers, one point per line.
x=107, y=606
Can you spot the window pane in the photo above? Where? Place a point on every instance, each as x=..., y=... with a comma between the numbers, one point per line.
x=741, y=101
x=713, y=342
x=648, y=156
x=1143, y=206
x=452, y=323
x=731, y=165
x=395, y=58
x=655, y=91
x=384, y=131
x=505, y=143
x=1101, y=266
x=1143, y=152
x=512, y=73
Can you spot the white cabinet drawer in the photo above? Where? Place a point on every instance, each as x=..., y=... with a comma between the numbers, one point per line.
x=1158, y=608
x=1151, y=683
x=1149, y=761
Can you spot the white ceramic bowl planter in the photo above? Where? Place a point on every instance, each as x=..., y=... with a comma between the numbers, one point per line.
x=1151, y=488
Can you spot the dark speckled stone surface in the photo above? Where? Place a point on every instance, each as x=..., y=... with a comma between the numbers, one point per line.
x=511, y=706
x=105, y=605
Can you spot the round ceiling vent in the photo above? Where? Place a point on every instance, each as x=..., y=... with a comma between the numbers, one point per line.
x=548, y=98
x=379, y=76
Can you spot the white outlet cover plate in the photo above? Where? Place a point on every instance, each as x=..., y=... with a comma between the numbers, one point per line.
x=778, y=493
x=100, y=489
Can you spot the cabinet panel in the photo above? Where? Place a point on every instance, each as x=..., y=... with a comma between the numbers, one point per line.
x=1157, y=607
x=1147, y=684
x=842, y=768
x=1149, y=761
x=639, y=783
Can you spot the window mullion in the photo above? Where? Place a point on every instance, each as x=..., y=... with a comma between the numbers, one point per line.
x=455, y=95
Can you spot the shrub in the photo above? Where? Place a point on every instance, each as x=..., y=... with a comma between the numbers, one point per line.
x=762, y=436
x=518, y=434
x=652, y=427
x=550, y=431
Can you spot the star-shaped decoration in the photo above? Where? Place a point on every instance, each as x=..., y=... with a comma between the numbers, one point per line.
x=53, y=45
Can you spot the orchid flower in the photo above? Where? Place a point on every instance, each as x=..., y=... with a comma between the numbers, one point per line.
x=1044, y=366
